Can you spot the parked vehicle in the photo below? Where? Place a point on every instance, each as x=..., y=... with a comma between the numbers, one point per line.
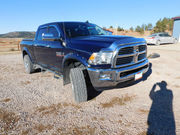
x=160, y=38
x=80, y=51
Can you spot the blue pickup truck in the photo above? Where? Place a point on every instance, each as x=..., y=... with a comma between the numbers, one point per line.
x=81, y=50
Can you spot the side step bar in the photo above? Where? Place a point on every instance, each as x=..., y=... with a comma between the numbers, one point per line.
x=56, y=75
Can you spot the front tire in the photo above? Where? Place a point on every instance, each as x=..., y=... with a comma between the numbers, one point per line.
x=28, y=65
x=79, y=87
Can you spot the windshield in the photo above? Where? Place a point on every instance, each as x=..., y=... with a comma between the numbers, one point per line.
x=82, y=29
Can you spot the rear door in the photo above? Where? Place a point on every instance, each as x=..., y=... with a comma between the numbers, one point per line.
x=40, y=46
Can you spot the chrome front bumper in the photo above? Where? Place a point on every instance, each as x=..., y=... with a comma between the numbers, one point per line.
x=102, y=78
x=151, y=41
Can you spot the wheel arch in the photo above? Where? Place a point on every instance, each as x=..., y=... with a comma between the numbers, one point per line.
x=69, y=62
x=26, y=52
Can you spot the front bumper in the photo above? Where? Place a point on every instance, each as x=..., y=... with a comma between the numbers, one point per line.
x=151, y=41
x=115, y=76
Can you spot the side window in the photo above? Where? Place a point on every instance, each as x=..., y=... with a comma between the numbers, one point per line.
x=161, y=35
x=53, y=31
x=41, y=32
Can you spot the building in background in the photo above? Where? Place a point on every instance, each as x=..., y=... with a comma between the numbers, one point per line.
x=176, y=28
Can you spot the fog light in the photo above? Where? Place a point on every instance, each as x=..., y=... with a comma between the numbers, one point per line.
x=105, y=77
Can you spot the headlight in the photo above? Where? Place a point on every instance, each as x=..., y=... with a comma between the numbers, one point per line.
x=100, y=58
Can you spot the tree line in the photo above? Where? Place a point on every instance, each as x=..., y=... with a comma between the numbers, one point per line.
x=162, y=25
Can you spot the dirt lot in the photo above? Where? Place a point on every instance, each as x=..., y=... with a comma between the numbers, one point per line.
x=40, y=104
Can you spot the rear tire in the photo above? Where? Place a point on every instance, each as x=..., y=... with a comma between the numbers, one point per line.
x=79, y=87
x=28, y=65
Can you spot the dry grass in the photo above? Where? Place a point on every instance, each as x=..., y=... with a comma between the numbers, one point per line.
x=8, y=120
x=5, y=100
x=9, y=52
x=177, y=86
x=25, y=132
x=102, y=119
x=143, y=133
x=9, y=44
x=143, y=111
x=41, y=127
x=25, y=82
x=54, y=108
x=85, y=130
x=117, y=101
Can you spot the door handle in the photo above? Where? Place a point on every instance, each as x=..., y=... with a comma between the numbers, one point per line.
x=48, y=46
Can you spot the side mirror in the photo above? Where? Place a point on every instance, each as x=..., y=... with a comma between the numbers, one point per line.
x=49, y=37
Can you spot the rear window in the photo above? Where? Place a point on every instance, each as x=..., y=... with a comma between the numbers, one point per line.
x=41, y=32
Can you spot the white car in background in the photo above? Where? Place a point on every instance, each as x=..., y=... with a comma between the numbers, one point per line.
x=160, y=38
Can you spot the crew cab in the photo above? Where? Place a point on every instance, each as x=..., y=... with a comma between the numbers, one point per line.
x=81, y=50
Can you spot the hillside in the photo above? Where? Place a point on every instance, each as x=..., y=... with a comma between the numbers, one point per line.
x=19, y=34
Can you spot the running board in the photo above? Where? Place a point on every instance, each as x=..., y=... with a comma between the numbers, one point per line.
x=57, y=76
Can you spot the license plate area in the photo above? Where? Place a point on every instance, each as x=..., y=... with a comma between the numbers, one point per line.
x=138, y=76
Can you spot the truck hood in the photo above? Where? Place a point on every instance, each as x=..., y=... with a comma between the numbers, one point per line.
x=96, y=43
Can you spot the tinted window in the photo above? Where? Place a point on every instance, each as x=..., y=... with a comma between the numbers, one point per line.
x=166, y=35
x=41, y=31
x=53, y=31
x=161, y=35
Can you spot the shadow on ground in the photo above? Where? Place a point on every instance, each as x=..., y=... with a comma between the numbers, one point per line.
x=161, y=117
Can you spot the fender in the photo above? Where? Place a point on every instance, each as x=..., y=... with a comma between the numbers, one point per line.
x=76, y=57
x=27, y=51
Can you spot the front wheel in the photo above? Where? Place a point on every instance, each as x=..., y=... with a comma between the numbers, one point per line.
x=79, y=87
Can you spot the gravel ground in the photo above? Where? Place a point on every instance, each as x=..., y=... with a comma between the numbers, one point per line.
x=40, y=104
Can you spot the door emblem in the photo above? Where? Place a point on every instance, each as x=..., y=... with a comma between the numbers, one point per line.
x=59, y=54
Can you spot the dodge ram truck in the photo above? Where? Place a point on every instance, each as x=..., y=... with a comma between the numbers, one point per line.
x=77, y=50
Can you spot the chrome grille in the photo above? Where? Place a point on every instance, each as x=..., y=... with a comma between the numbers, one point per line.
x=141, y=56
x=130, y=54
x=124, y=60
x=126, y=50
x=142, y=48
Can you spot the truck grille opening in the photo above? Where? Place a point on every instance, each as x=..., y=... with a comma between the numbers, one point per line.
x=135, y=54
x=124, y=60
x=142, y=48
x=123, y=74
x=141, y=56
x=126, y=50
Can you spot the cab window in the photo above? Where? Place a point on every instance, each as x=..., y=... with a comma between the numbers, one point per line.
x=53, y=31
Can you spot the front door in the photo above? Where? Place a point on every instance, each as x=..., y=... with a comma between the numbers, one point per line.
x=54, y=51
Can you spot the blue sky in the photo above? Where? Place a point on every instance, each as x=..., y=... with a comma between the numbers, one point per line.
x=27, y=15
